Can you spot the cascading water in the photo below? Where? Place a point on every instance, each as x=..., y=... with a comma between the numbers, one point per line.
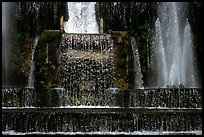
x=137, y=69
x=188, y=75
x=174, y=51
x=88, y=103
x=92, y=122
x=86, y=58
x=18, y=97
x=162, y=75
x=82, y=18
x=86, y=62
x=32, y=68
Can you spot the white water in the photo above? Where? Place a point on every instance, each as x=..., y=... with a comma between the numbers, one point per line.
x=174, y=49
x=106, y=107
x=6, y=42
x=136, y=66
x=162, y=75
x=188, y=60
x=82, y=18
x=32, y=68
x=11, y=132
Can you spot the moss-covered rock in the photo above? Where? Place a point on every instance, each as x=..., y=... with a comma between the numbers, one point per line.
x=122, y=60
x=45, y=65
x=20, y=60
x=144, y=36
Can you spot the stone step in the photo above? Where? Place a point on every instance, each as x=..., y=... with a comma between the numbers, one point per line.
x=100, y=120
x=102, y=110
x=199, y=132
x=85, y=42
x=145, y=98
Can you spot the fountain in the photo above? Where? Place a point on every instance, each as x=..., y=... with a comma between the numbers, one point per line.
x=137, y=69
x=82, y=18
x=86, y=62
x=6, y=42
x=31, y=75
x=174, y=48
x=87, y=102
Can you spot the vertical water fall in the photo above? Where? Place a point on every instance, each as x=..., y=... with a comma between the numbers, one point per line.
x=188, y=75
x=161, y=65
x=32, y=68
x=173, y=49
x=137, y=69
x=6, y=42
x=86, y=58
x=82, y=18
x=86, y=62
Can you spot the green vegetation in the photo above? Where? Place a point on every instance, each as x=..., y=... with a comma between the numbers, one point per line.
x=44, y=66
x=144, y=37
x=135, y=18
x=122, y=60
x=20, y=60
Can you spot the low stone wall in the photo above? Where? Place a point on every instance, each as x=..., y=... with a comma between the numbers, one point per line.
x=140, y=98
x=18, y=97
x=87, y=121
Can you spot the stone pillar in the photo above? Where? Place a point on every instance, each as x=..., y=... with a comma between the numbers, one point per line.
x=101, y=25
x=62, y=24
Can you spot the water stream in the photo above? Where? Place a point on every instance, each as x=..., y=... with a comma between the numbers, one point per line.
x=137, y=68
x=86, y=103
x=32, y=68
x=82, y=18
x=174, y=58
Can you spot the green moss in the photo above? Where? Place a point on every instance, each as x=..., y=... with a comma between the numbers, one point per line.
x=144, y=34
x=49, y=36
x=20, y=60
x=122, y=60
x=43, y=69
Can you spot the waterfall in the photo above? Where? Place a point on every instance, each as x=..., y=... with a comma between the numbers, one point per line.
x=18, y=97
x=162, y=75
x=86, y=59
x=174, y=48
x=32, y=68
x=137, y=68
x=86, y=62
x=82, y=18
x=188, y=76
x=88, y=104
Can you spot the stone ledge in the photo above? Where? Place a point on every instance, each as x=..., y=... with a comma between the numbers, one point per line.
x=104, y=110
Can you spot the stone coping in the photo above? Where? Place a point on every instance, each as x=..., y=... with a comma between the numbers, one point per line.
x=104, y=110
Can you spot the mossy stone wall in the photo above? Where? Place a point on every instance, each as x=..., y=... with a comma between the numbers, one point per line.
x=46, y=64
x=122, y=60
